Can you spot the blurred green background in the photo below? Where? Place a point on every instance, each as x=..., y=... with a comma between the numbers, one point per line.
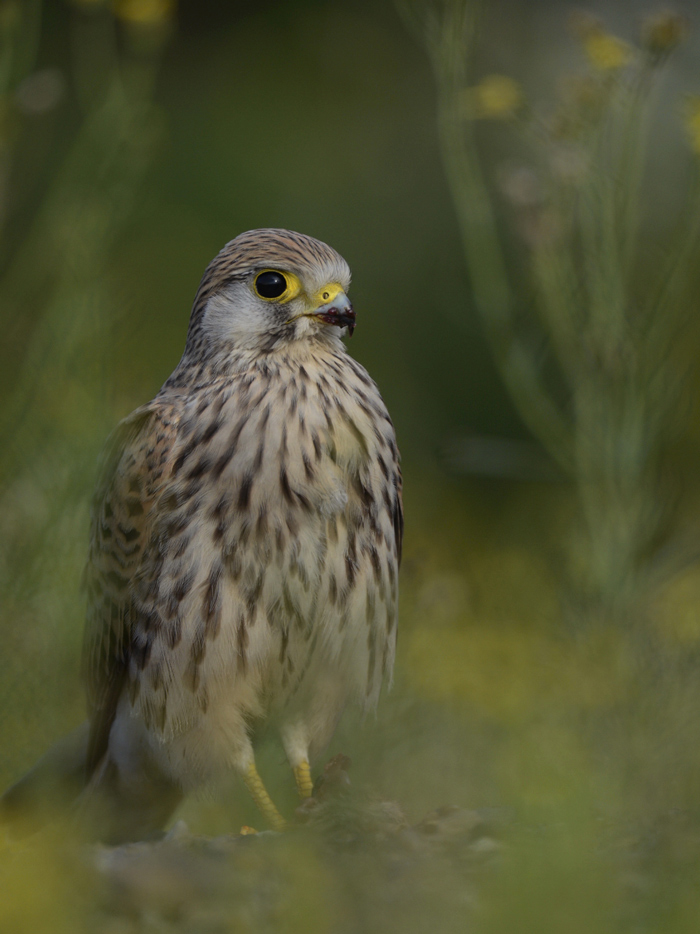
x=136, y=141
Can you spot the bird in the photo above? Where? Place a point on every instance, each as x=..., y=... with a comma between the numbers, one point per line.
x=245, y=543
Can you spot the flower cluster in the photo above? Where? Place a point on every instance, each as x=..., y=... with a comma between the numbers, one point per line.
x=496, y=97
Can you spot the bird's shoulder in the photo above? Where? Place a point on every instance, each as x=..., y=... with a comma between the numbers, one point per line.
x=133, y=462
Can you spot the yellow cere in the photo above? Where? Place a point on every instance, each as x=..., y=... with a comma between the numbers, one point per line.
x=326, y=294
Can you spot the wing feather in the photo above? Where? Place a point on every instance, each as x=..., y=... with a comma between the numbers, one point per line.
x=129, y=476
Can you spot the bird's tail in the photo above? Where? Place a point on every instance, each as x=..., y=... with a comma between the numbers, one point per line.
x=102, y=806
x=49, y=789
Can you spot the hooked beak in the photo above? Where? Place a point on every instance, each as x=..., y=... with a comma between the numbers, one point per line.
x=339, y=312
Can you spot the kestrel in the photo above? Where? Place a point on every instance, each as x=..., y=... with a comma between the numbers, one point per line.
x=245, y=542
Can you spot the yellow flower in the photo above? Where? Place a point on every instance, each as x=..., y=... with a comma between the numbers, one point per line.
x=144, y=12
x=606, y=52
x=497, y=97
x=692, y=121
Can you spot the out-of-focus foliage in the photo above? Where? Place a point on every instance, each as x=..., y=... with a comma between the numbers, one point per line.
x=135, y=140
x=59, y=314
x=612, y=327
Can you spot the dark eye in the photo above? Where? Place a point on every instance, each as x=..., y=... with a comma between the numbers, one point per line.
x=270, y=284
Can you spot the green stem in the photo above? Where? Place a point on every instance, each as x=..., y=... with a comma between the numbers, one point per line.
x=483, y=251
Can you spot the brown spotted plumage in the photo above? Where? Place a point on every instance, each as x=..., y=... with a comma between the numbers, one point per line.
x=246, y=538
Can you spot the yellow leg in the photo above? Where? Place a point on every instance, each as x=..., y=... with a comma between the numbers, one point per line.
x=302, y=773
x=262, y=799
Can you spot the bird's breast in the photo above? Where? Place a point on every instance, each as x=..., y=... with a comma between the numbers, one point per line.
x=292, y=439
x=276, y=538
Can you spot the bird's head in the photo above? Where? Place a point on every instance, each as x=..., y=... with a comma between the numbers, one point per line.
x=269, y=288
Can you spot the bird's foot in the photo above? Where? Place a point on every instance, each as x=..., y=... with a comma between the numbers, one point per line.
x=302, y=774
x=262, y=799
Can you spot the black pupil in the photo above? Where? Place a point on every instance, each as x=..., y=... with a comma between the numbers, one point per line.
x=271, y=284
